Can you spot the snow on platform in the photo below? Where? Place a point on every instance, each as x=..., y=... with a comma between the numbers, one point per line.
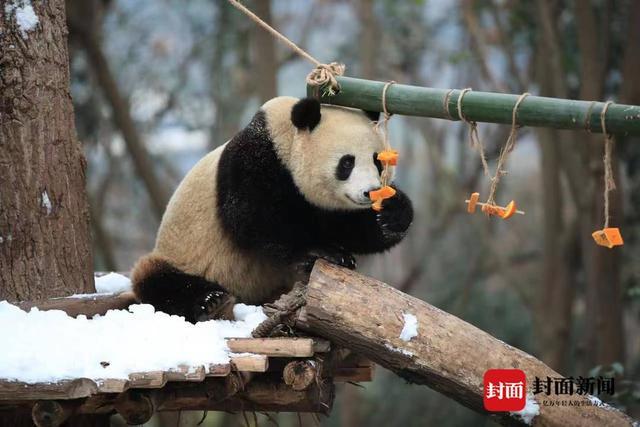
x=50, y=346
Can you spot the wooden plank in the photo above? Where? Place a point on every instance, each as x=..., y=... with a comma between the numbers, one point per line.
x=186, y=373
x=153, y=379
x=279, y=347
x=113, y=385
x=218, y=370
x=89, y=306
x=70, y=389
x=250, y=363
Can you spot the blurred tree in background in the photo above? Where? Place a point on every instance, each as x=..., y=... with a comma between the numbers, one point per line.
x=158, y=84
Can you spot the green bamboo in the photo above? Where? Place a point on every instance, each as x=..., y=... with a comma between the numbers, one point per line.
x=486, y=107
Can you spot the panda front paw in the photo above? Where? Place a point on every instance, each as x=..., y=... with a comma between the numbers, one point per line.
x=396, y=216
x=335, y=256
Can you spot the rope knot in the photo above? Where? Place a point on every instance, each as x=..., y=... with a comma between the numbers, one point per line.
x=325, y=74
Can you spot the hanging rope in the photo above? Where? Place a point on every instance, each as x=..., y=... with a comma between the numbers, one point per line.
x=474, y=137
x=383, y=124
x=609, y=183
x=321, y=76
x=505, y=151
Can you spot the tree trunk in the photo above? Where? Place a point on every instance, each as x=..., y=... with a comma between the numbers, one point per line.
x=45, y=248
x=602, y=266
x=552, y=314
x=266, y=67
x=44, y=219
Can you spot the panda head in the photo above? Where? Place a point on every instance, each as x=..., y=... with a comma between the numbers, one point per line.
x=331, y=152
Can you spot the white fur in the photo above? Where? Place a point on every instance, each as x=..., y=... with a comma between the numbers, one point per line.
x=312, y=157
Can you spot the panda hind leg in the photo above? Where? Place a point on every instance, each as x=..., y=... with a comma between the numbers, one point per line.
x=157, y=282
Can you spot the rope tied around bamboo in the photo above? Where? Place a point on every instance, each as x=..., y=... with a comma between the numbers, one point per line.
x=474, y=137
x=323, y=75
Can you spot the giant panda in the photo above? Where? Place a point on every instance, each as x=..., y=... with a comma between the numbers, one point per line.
x=253, y=215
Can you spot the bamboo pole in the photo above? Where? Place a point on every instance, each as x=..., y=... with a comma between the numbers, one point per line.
x=484, y=106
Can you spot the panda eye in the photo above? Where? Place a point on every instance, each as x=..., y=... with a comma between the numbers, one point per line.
x=345, y=166
x=378, y=163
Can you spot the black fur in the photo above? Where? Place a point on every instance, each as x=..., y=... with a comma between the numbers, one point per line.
x=305, y=114
x=171, y=291
x=374, y=116
x=262, y=210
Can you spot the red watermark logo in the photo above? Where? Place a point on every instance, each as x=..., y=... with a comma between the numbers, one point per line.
x=504, y=390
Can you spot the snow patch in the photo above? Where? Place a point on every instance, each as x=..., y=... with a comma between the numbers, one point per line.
x=410, y=328
x=45, y=202
x=26, y=18
x=114, y=345
x=398, y=350
x=112, y=283
x=529, y=412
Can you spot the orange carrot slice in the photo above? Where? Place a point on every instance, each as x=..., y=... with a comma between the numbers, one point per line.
x=377, y=196
x=509, y=210
x=473, y=200
x=492, y=210
x=385, y=192
x=389, y=157
x=608, y=237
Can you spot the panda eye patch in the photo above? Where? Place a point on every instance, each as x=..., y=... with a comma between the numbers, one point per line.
x=345, y=166
x=378, y=163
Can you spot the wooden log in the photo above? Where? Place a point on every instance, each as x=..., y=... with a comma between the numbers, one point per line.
x=52, y=413
x=135, y=406
x=279, y=347
x=250, y=363
x=448, y=354
x=89, y=306
x=300, y=374
x=263, y=394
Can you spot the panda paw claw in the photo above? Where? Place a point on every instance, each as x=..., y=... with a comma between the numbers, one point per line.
x=338, y=257
x=214, y=304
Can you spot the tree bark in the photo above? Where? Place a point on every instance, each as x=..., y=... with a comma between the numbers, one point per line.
x=603, y=294
x=266, y=67
x=553, y=310
x=45, y=248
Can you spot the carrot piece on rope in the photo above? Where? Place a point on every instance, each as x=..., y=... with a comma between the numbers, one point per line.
x=377, y=196
x=472, y=202
x=608, y=237
x=389, y=157
x=509, y=210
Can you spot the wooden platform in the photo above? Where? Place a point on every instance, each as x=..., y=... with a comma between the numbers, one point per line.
x=263, y=374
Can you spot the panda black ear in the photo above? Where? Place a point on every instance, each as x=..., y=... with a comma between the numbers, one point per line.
x=374, y=116
x=306, y=114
